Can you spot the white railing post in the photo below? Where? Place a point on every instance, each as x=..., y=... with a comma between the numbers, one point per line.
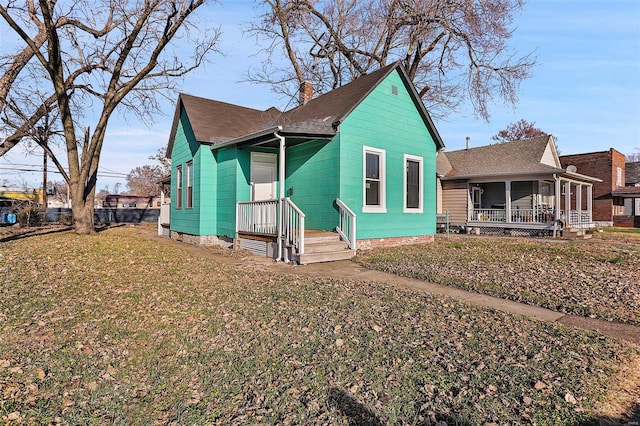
x=293, y=226
x=346, y=224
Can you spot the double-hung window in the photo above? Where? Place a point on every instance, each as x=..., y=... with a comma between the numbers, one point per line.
x=374, y=181
x=178, y=187
x=189, y=203
x=413, y=178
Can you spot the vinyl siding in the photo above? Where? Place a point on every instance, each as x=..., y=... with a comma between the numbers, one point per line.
x=393, y=124
x=230, y=176
x=185, y=149
x=455, y=200
x=548, y=158
x=313, y=172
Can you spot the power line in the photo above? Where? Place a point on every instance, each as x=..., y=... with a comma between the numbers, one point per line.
x=38, y=168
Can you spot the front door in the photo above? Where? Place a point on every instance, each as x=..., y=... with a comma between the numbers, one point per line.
x=263, y=176
x=476, y=197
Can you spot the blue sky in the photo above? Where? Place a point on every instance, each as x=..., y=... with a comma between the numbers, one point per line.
x=585, y=89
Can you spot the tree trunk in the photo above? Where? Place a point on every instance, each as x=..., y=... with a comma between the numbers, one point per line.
x=83, y=216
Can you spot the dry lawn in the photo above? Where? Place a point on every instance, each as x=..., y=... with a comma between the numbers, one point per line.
x=599, y=278
x=121, y=329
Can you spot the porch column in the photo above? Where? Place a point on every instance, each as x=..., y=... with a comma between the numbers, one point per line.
x=567, y=200
x=579, y=198
x=281, y=251
x=556, y=199
x=507, y=201
x=590, y=202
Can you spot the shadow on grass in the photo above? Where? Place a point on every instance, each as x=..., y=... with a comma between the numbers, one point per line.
x=37, y=231
x=355, y=412
x=632, y=418
x=106, y=227
x=358, y=414
x=34, y=232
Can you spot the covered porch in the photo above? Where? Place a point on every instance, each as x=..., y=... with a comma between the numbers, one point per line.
x=270, y=223
x=528, y=207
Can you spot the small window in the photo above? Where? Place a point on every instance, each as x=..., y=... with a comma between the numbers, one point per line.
x=189, y=203
x=394, y=90
x=374, y=180
x=619, y=176
x=178, y=187
x=413, y=184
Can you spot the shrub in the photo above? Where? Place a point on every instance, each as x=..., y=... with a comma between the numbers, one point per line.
x=29, y=215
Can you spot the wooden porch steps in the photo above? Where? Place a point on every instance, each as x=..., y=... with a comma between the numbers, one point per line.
x=324, y=246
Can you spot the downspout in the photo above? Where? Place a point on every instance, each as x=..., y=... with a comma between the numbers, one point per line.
x=281, y=177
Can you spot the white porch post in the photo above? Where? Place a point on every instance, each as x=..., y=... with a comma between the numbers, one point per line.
x=281, y=177
x=590, y=202
x=507, y=198
x=567, y=200
x=579, y=198
x=556, y=198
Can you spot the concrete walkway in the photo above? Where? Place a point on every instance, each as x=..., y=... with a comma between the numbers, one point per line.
x=348, y=269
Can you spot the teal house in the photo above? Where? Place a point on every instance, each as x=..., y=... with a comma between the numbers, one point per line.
x=352, y=168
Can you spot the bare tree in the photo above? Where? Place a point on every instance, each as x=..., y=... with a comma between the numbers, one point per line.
x=521, y=129
x=635, y=156
x=165, y=163
x=452, y=50
x=111, y=55
x=145, y=180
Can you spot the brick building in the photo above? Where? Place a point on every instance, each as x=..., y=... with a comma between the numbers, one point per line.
x=610, y=167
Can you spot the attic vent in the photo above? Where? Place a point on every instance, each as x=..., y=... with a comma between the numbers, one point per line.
x=394, y=90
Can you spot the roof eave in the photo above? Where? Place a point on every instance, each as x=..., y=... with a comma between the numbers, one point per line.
x=260, y=134
x=580, y=176
x=502, y=175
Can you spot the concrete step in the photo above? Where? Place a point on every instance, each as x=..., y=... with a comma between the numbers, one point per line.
x=308, y=258
x=576, y=234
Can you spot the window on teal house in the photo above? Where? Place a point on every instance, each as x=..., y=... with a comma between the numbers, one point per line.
x=189, y=203
x=413, y=184
x=178, y=187
x=374, y=180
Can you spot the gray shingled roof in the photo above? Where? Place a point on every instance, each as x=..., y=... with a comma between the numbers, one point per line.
x=218, y=122
x=632, y=173
x=511, y=158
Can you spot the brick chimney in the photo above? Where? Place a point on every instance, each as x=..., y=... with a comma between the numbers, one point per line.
x=306, y=92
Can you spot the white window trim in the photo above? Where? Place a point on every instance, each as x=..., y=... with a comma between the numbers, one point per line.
x=179, y=191
x=419, y=160
x=189, y=178
x=382, y=208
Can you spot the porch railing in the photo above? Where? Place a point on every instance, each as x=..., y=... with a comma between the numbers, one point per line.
x=515, y=215
x=577, y=218
x=258, y=217
x=293, y=225
x=489, y=215
x=347, y=224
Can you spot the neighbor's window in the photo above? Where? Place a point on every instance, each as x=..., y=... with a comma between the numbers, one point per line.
x=178, y=187
x=189, y=185
x=413, y=184
x=374, y=180
x=618, y=176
